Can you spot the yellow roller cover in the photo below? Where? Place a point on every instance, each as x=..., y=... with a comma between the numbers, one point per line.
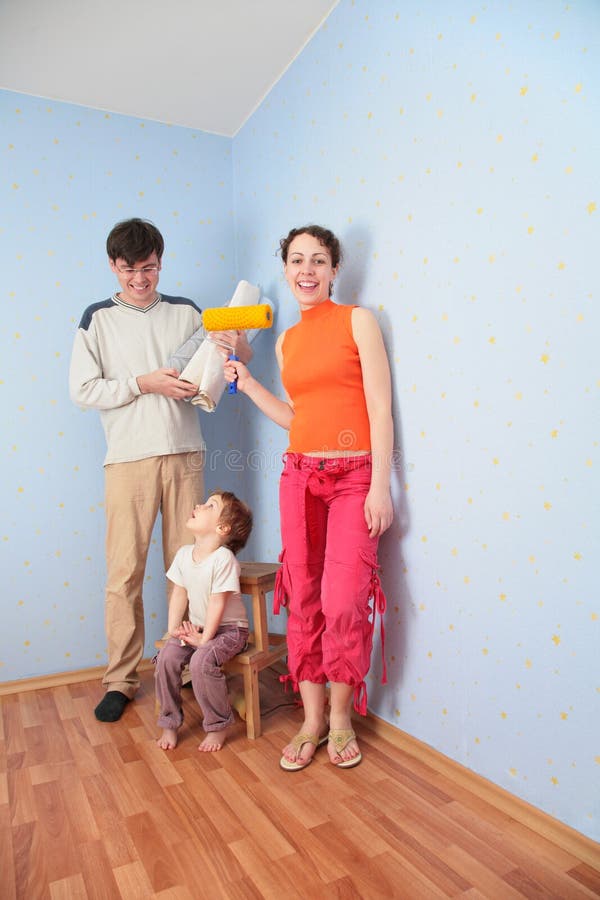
x=237, y=318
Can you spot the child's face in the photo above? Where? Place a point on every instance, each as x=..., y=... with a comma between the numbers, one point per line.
x=206, y=516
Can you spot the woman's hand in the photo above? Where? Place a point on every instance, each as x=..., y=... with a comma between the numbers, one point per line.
x=379, y=512
x=237, y=371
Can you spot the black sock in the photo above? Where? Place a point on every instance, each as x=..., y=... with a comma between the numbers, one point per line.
x=110, y=708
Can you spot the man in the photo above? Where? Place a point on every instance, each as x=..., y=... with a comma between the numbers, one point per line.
x=155, y=447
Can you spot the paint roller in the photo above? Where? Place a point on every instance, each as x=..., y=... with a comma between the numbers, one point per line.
x=198, y=360
x=237, y=318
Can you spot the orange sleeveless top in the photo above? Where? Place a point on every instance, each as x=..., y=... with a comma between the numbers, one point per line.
x=322, y=375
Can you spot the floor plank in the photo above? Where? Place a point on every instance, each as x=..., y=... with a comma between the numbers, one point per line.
x=99, y=812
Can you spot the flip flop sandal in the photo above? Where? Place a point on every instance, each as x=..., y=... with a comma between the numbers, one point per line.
x=340, y=738
x=297, y=743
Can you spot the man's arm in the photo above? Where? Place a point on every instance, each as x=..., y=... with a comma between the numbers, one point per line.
x=89, y=389
x=167, y=383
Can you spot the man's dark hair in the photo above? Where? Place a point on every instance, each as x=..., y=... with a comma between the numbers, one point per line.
x=134, y=240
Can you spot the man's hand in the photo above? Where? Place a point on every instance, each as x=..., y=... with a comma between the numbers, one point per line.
x=167, y=383
x=234, y=342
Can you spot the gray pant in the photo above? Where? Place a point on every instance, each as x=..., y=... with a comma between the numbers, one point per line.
x=208, y=679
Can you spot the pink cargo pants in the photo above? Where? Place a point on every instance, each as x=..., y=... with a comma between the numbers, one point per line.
x=328, y=579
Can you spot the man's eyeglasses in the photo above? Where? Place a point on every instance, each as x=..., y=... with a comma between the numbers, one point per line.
x=145, y=270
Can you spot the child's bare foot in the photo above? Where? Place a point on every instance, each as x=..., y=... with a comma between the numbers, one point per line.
x=214, y=740
x=168, y=739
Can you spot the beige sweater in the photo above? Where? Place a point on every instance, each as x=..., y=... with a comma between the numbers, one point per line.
x=114, y=344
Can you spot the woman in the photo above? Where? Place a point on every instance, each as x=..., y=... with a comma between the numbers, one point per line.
x=334, y=492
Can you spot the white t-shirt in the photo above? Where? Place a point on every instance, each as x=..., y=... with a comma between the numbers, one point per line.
x=216, y=574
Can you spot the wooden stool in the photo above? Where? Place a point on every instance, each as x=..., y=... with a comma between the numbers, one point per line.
x=256, y=580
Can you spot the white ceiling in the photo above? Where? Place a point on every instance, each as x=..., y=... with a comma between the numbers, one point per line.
x=205, y=65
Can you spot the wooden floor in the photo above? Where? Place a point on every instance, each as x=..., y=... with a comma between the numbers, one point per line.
x=90, y=810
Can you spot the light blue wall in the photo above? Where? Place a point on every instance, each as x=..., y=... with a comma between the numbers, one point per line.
x=68, y=174
x=454, y=148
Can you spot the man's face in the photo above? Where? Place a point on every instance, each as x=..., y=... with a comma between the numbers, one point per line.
x=138, y=282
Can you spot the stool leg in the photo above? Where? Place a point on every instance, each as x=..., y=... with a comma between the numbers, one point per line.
x=251, y=694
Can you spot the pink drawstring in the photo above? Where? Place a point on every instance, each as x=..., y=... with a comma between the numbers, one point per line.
x=280, y=597
x=360, y=698
x=287, y=680
x=379, y=605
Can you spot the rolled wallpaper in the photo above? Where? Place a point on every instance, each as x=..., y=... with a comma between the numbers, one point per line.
x=199, y=359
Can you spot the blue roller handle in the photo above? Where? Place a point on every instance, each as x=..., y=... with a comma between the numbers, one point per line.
x=232, y=389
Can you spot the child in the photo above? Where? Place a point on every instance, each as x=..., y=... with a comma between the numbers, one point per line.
x=206, y=578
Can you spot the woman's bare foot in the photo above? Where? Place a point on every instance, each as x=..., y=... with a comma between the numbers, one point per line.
x=348, y=754
x=168, y=739
x=342, y=747
x=303, y=754
x=214, y=740
x=347, y=748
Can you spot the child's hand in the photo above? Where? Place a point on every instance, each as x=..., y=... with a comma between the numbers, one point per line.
x=190, y=634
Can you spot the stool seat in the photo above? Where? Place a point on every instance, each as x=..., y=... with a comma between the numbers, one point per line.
x=257, y=579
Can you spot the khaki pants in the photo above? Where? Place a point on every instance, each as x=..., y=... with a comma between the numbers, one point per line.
x=134, y=494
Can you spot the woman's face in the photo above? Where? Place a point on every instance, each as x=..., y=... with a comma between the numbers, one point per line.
x=308, y=270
